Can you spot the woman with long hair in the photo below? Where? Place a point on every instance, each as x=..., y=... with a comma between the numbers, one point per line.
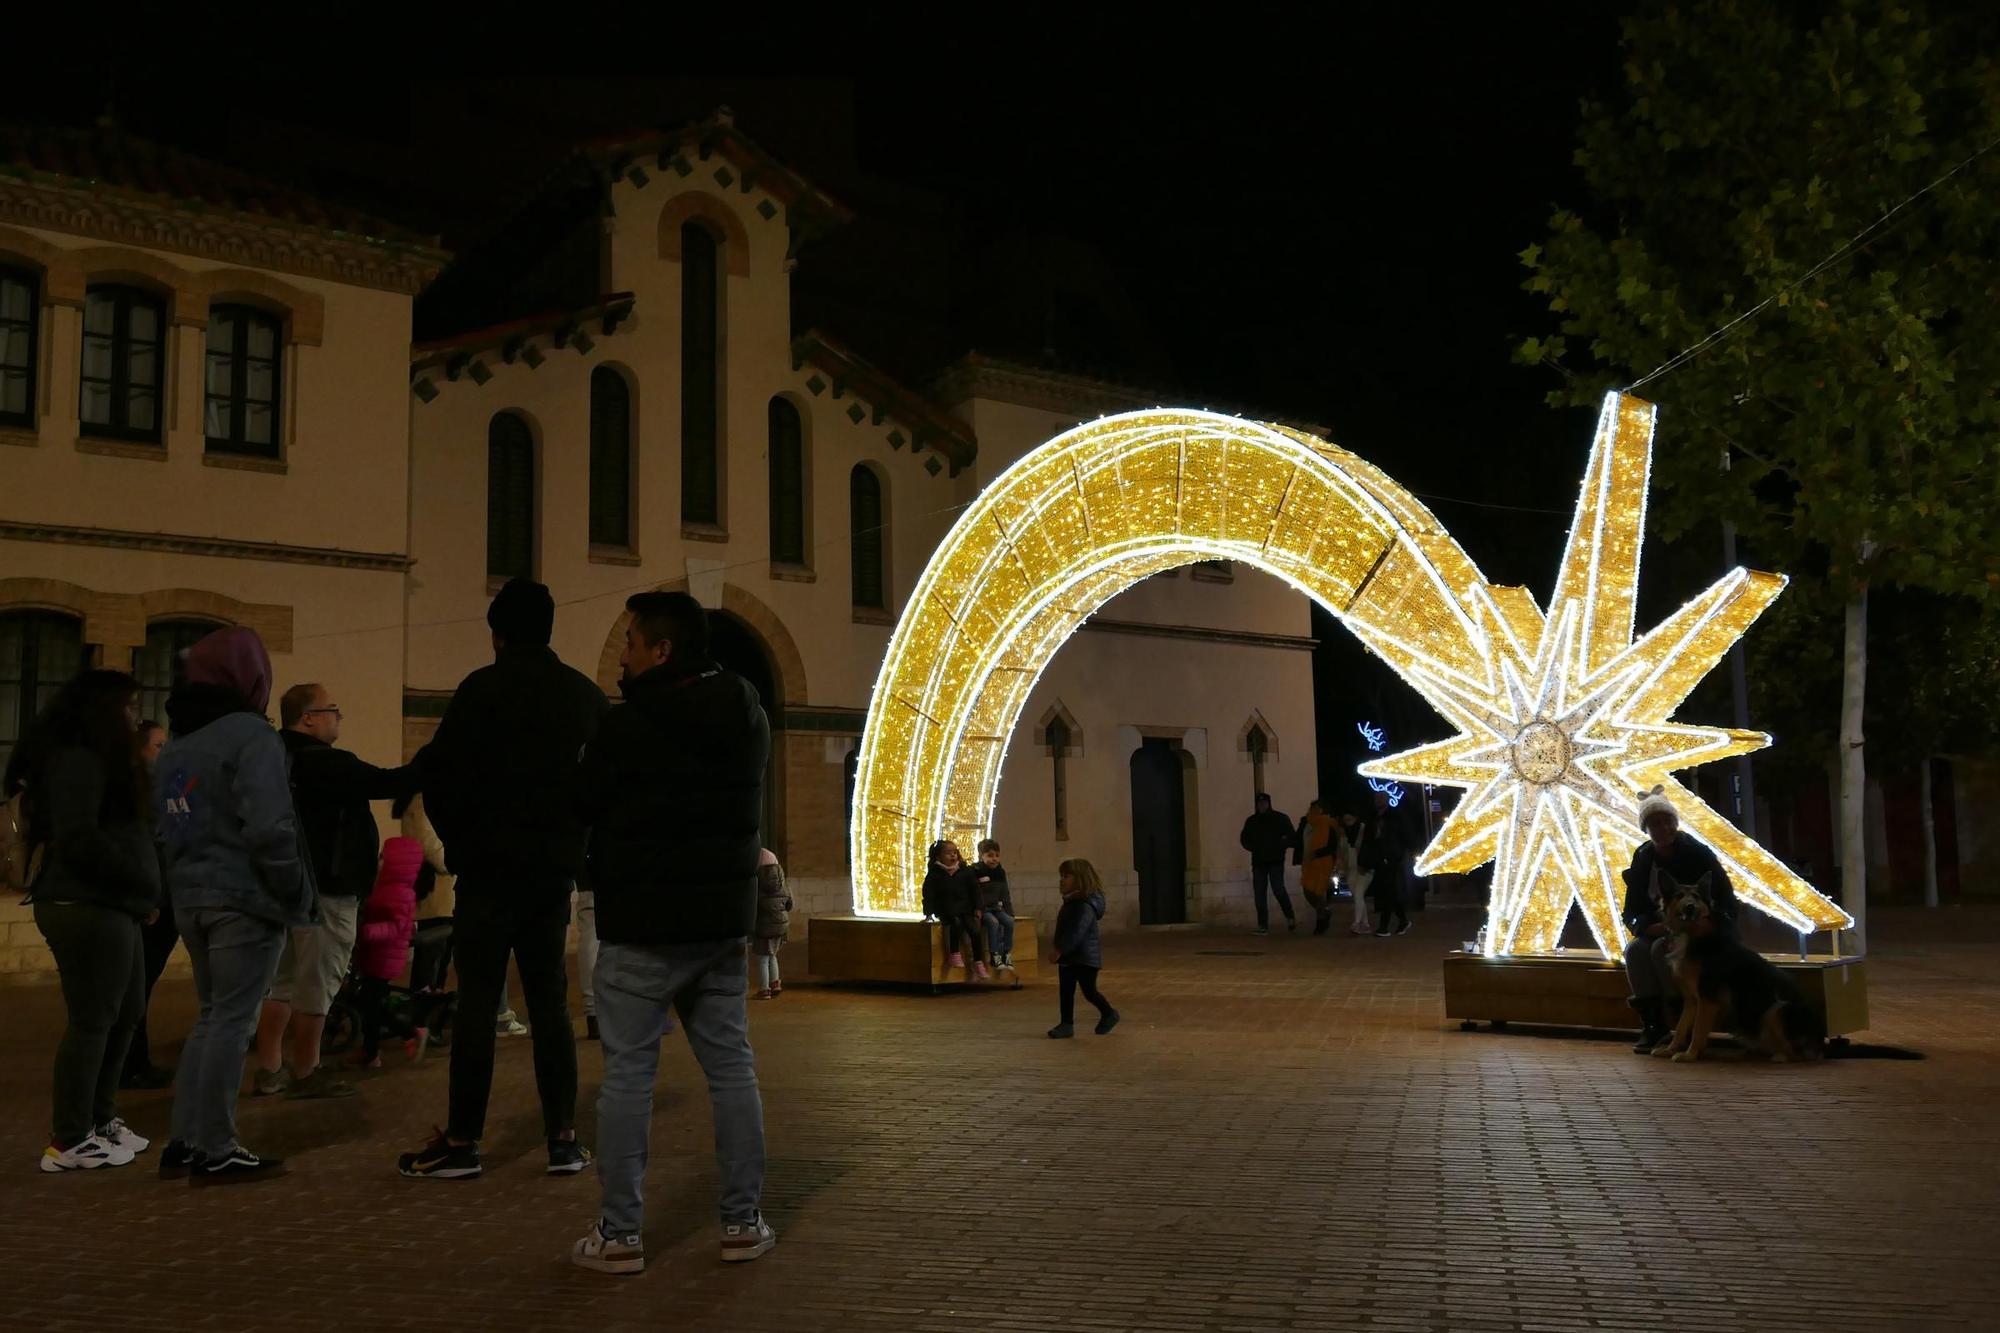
x=89, y=814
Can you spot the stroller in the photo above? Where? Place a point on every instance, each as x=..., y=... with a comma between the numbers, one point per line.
x=368, y=1006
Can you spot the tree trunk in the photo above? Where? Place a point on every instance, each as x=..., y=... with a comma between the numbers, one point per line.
x=1854, y=773
x=1924, y=799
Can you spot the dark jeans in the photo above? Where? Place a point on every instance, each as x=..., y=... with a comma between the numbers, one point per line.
x=534, y=928
x=159, y=940
x=100, y=960
x=1075, y=977
x=1269, y=879
x=999, y=932
x=1390, y=914
x=965, y=935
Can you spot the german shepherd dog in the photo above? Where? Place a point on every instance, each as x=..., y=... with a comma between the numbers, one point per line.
x=1720, y=977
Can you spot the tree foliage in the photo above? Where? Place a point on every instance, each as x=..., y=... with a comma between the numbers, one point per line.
x=1858, y=410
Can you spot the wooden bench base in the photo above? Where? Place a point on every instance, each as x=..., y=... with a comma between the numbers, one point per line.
x=1582, y=988
x=860, y=948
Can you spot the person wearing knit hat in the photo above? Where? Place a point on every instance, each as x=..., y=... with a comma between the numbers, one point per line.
x=1673, y=854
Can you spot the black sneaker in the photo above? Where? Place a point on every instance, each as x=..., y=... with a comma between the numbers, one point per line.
x=1108, y=1022
x=441, y=1159
x=176, y=1159
x=238, y=1165
x=1062, y=1030
x=566, y=1157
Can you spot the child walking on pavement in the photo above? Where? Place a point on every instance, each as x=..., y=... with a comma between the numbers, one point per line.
x=774, y=918
x=996, y=903
x=1079, y=952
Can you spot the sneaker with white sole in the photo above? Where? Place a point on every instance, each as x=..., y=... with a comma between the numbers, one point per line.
x=237, y=1165
x=622, y=1254
x=744, y=1241
x=119, y=1135
x=567, y=1157
x=88, y=1155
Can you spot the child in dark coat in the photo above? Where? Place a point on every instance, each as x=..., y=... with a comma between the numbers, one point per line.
x=996, y=903
x=952, y=896
x=1078, y=951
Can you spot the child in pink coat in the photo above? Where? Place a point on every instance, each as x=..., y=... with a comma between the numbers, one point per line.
x=382, y=948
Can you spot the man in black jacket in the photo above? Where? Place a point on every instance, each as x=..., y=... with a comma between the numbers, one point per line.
x=1382, y=852
x=1269, y=837
x=1670, y=853
x=498, y=782
x=331, y=789
x=672, y=788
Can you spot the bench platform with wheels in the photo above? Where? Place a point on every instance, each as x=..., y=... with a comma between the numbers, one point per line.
x=1580, y=988
x=857, y=948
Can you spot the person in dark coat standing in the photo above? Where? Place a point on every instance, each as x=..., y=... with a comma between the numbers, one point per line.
x=499, y=782
x=1382, y=852
x=1077, y=949
x=673, y=791
x=1269, y=837
x=97, y=881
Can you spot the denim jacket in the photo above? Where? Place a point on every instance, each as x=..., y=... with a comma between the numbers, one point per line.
x=229, y=836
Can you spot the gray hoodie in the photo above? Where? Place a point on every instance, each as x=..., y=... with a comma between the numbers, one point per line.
x=229, y=834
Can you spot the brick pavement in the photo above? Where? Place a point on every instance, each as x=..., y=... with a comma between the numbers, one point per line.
x=1291, y=1139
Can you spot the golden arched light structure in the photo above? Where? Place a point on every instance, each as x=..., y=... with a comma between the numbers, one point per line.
x=1562, y=717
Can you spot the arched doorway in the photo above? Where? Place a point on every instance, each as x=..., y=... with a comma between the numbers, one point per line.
x=736, y=646
x=1159, y=831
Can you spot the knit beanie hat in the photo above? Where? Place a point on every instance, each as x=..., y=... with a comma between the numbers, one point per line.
x=523, y=614
x=234, y=658
x=1655, y=802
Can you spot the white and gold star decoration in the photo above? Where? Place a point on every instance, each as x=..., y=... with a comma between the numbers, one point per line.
x=1572, y=719
x=1561, y=716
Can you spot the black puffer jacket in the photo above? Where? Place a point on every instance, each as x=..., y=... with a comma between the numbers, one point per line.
x=673, y=791
x=1685, y=863
x=499, y=776
x=99, y=849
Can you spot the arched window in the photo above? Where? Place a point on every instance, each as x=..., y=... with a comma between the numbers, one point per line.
x=20, y=310
x=39, y=650
x=610, y=459
x=124, y=351
x=510, y=498
x=241, y=413
x=1259, y=746
x=157, y=664
x=865, y=519
x=1058, y=739
x=701, y=377
x=788, y=484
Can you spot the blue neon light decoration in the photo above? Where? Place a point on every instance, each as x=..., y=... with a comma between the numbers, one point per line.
x=1376, y=739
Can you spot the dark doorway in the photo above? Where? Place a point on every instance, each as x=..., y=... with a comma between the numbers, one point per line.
x=736, y=646
x=1159, y=832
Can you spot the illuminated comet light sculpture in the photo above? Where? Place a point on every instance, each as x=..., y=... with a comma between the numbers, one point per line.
x=1562, y=716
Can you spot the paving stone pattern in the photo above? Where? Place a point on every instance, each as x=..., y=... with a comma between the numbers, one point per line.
x=1284, y=1134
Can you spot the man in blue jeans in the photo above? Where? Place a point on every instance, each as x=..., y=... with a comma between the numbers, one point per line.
x=672, y=788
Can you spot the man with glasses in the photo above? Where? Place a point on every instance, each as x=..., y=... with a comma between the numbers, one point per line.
x=331, y=789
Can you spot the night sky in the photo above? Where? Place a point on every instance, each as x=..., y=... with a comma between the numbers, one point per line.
x=1317, y=221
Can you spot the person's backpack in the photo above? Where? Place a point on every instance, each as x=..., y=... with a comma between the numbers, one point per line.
x=20, y=858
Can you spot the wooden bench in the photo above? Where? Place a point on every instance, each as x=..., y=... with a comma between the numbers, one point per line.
x=861, y=948
x=1581, y=988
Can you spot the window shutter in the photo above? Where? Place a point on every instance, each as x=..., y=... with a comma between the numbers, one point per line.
x=864, y=503
x=510, y=498
x=610, y=458
x=787, y=450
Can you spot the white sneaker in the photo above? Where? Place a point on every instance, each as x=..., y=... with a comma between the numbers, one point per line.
x=744, y=1241
x=119, y=1135
x=511, y=1027
x=92, y=1153
x=625, y=1255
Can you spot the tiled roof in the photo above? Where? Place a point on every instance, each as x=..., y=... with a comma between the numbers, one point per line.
x=114, y=159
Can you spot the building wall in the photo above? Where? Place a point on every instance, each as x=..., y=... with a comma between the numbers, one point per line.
x=306, y=548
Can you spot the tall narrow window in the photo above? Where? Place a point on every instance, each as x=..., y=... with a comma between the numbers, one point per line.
x=700, y=374
x=20, y=311
x=1058, y=741
x=788, y=484
x=510, y=498
x=610, y=459
x=124, y=351
x=1259, y=746
x=39, y=650
x=864, y=510
x=241, y=412
x=157, y=664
